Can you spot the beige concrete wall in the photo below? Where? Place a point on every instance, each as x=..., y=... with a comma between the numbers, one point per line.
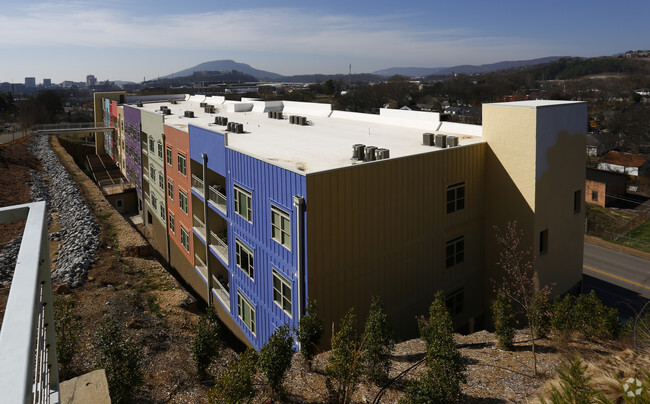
x=381, y=228
x=534, y=164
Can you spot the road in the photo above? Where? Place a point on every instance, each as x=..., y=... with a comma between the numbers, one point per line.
x=619, y=279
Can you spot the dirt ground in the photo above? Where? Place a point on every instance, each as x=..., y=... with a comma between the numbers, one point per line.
x=160, y=316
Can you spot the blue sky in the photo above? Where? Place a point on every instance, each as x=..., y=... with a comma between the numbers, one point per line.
x=137, y=39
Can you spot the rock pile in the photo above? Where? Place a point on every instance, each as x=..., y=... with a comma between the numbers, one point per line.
x=79, y=230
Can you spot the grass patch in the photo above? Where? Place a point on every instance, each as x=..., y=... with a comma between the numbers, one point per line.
x=154, y=307
x=638, y=238
x=599, y=218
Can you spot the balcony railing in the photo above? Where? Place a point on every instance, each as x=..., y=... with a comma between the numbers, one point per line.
x=28, y=361
x=199, y=226
x=222, y=290
x=220, y=245
x=147, y=197
x=200, y=265
x=197, y=183
x=218, y=198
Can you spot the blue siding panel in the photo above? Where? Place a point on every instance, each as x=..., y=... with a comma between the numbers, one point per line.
x=213, y=143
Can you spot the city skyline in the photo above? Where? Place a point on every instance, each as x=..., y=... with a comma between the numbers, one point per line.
x=67, y=41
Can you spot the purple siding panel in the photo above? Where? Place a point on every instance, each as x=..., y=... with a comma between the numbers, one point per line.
x=132, y=121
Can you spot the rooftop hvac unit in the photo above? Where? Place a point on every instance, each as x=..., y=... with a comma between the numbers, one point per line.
x=441, y=140
x=292, y=119
x=203, y=105
x=381, y=154
x=358, y=151
x=229, y=126
x=167, y=111
x=139, y=104
x=303, y=120
x=279, y=116
x=270, y=114
x=370, y=153
x=427, y=139
x=239, y=128
x=452, y=141
x=173, y=101
x=189, y=114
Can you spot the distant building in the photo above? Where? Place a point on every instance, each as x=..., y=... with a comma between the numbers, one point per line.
x=634, y=165
x=47, y=82
x=91, y=80
x=260, y=205
x=602, y=187
x=30, y=82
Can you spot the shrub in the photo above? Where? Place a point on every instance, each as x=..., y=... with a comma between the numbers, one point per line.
x=275, y=358
x=595, y=320
x=120, y=358
x=445, y=365
x=378, y=343
x=67, y=327
x=206, y=342
x=573, y=386
x=504, y=321
x=562, y=320
x=344, y=368
x=310, y=330
x=540, y=315
x=235, y=384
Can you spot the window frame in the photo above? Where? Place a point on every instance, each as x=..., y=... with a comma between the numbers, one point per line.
x=456, y=202
x=161, y=181
x=577, y=201
x=594, y=196
x=238, y=192
x=457, y=256
x=170, y=160
x=182, y=161
x=241, y=247
x=185, y=238
x=160, y=149
x=283, y=282
x=543, y=242
x=281, y=231
x=172, y=223
x=242, y=301
x=182, y=200
x=454, y=307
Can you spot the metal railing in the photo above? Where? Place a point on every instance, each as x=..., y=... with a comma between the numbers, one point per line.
x=28, y=359
x=199, y=225
x=65, y=125
x=197, y=183
x=220, y=245
x=222, y=292
x=218, y=198
x=200, y=265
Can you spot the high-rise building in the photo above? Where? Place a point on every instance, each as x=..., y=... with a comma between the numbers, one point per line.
x=91, y=80
x=30, y=81
x=47, y=82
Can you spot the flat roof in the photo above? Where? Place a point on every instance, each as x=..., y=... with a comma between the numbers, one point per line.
x=536, y=103
x=326, y=142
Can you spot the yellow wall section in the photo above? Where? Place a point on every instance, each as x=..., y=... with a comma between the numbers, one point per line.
x=380, y=229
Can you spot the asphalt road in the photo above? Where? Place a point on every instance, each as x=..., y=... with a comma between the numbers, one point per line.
x=620, y=280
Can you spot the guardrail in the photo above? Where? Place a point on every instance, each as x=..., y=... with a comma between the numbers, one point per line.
x=200, y=265
x=197, y=183
x=222, y=292
x=218, y=198
x=28, y=360
x=219, y=245
x=200, y=226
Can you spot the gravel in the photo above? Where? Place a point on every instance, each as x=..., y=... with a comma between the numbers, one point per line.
x=79, y=234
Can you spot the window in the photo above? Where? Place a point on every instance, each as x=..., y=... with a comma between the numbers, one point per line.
x=152, y=145
x=161, y=181
x=181, y=163
x=577, y=201
x=182, y=200
x=245, y=259
x=455, y=197
x=170, y=189
x=455, y=252
x=243, y=204
x=454, y=302
x=246, y=312
x=543, y=242
x=282, y=292
x=169, y=155
x=281, y=227
x=152, y=173
x=172, y=223
x=185, y=239
x=594, y=195
x=154, y=201
x=162, y=212
x=160, y=148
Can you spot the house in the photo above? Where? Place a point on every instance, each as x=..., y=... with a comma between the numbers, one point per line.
x=265, y=204
x=634, y=165
x=602, y=188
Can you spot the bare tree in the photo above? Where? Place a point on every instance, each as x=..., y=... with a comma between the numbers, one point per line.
x=519, y=283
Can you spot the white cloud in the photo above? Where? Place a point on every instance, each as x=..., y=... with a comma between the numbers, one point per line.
x=388, y=41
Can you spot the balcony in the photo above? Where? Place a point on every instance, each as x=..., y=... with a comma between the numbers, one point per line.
x=145, y=174
x=200, y=265
x=219, y=245
x=197, y=184
x=28, y=359
x=221, y=288
x=218, y=198
x=199, y=225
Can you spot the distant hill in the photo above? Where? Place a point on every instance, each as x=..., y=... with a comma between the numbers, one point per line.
x=463, y=69
x=225, y=65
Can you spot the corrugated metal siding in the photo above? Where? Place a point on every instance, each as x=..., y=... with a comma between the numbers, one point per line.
x=380, y=229
x=132, y=118
x=268, y=185
x=212, y=143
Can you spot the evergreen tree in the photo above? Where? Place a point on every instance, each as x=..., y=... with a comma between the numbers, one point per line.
x=504, y=321
x=207, y=342
x=235, y=384
x=378, y=343
x=310, y=330
x=344, y=368
x=275, y=358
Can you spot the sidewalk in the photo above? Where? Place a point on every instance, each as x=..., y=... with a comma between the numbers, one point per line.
x=616, y=247
x=8, y=137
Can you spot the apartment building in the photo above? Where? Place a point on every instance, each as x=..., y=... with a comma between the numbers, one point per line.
x=271, y=203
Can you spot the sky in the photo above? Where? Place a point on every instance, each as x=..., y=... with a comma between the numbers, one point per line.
x=143, y=39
